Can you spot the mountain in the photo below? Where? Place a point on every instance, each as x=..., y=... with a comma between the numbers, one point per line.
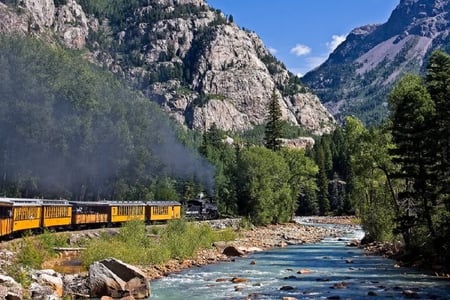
x=188, y=57
x=358, y=75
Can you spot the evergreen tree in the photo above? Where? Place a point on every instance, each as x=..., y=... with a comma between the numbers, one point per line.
x=438, y=85
x=274, y=125
x=322, y=182
x=412, y=114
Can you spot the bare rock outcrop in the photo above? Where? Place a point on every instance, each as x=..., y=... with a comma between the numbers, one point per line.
x=43, y=11
x=71, y=24
x=298, y=143
x=114, y=278
x=11, y=22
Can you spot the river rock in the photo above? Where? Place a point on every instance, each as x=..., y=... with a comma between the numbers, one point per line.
x=53, y=282
x=39, y=291
x=9, y=288
x=287, y=288
x=238, y=280
x=114, y=278
x=76, y=285
x=233, y=251
x=411, y=294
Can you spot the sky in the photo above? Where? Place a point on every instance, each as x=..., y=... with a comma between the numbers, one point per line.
x=302, y=33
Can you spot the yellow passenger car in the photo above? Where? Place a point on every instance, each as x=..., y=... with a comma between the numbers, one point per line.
x=23, y=214
x=56, y=213
x=6, y=219
x=90, y=213
x=127, y=211
x=163, y=210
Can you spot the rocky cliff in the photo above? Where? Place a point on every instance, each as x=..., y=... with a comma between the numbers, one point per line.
x=358, y=75
x=197, y=64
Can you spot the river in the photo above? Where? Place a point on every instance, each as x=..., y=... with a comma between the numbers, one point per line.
x=331, y=270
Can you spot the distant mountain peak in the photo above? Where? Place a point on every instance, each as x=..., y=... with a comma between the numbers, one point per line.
x=359, y=74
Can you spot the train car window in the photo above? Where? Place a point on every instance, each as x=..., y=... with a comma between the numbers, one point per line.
x=26, y=213
x=5, y=212
x=160, y=210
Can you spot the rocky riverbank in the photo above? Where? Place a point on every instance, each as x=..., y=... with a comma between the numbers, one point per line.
x=249, y=240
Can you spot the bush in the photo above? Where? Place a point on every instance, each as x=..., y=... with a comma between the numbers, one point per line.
x=31, y=253
x=179, y=239
x=49, y=241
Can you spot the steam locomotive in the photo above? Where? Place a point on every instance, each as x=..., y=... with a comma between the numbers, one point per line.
x=201, y=209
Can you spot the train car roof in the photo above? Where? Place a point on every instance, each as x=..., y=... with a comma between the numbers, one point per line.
x=61, y=202
x=89, y=203
x=163, y=203
x=126, y=203
x=20, y=201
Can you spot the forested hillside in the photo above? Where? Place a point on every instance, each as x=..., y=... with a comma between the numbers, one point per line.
x=69, y=129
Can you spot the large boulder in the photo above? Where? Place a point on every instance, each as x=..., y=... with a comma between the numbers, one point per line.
x=114, y=278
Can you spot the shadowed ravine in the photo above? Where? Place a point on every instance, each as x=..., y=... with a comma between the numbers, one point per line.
x=336, y=272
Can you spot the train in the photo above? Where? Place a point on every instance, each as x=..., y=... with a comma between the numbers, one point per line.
x=202, y=209
x=19, y=215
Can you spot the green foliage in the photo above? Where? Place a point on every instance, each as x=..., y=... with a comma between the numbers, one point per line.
x=20, y=274
x=179, y=239
x=302, y=180
x=31, y=253
x=371, y=179
x=50, y=240
x=265, y=195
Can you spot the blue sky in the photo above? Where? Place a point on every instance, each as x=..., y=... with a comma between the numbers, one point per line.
x=302, y=33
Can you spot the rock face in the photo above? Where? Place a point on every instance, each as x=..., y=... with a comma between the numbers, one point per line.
x=191, y=59
x=41, y=18
x=359, y=74
x=114, y=278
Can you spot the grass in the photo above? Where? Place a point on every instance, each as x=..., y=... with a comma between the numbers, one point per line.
x=178, y=239
x=32, y=251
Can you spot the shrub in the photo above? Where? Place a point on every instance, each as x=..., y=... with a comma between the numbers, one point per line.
x=49, y=241
x=31, y=253
x=178, y=239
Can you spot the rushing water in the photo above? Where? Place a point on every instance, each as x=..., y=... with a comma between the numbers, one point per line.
x=337, y=272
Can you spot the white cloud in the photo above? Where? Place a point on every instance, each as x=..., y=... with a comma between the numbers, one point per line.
x=336, y=41
x=273, y=51
x=301, y=50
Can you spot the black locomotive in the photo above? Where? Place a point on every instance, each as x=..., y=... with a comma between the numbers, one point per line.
x=201, y=209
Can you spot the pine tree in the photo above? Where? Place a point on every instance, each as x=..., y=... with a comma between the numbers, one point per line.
x=412, y=114
x=438, y=85
x=322, y=182
x=274, y=125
